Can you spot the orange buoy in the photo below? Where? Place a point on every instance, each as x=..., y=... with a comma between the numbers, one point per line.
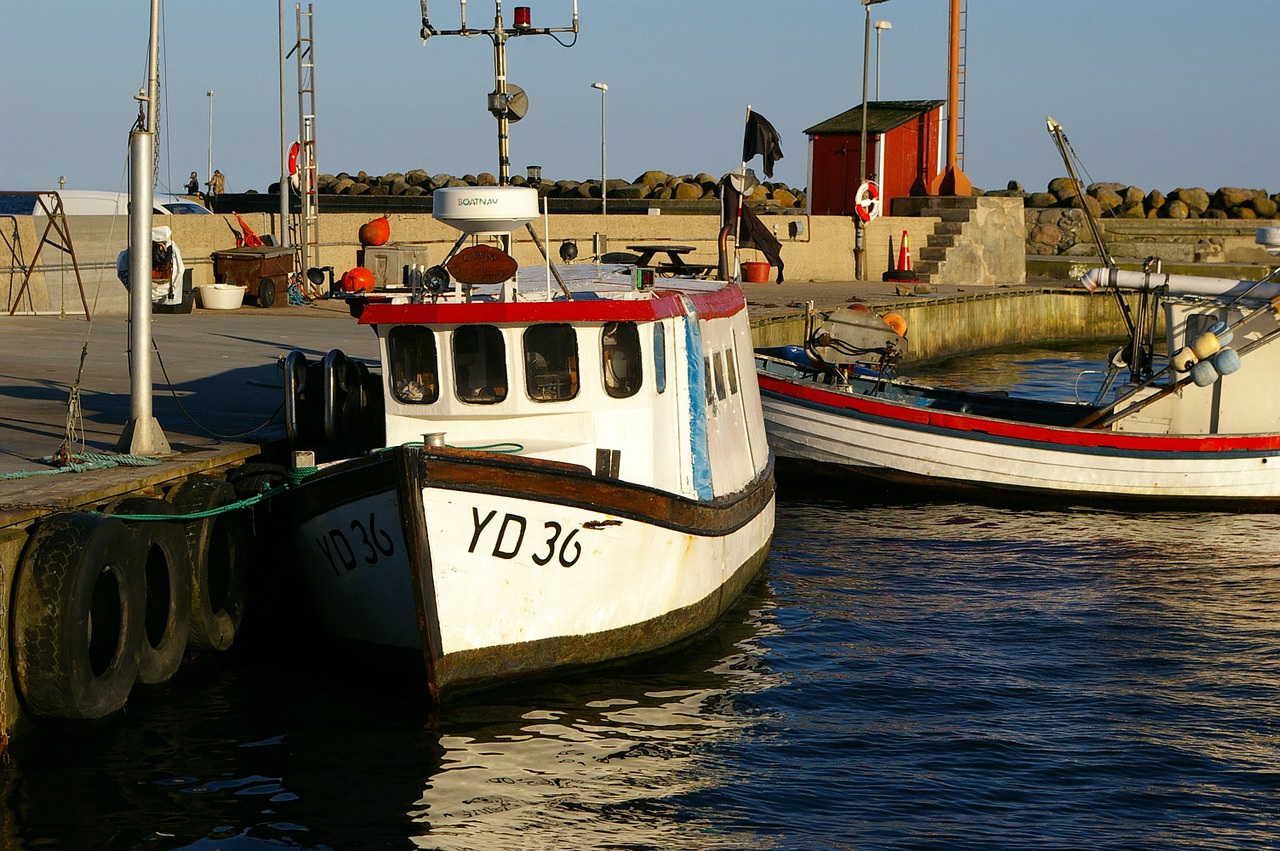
x=896, y=322
x=376, y=232
x=358, y=280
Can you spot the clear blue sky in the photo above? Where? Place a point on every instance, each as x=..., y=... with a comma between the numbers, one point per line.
x=1157, y=93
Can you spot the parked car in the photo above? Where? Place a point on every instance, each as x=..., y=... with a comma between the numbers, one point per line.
x=93, y=202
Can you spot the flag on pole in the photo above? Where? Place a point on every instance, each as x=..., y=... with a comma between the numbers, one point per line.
x=747, y=229
x=761, y=139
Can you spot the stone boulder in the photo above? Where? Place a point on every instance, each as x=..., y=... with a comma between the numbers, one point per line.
x=1197, y=200
x=1064, y=188
x=1229, y=196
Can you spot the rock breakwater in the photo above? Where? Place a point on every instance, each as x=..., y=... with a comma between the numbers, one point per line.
x=658, y=185
x=1055, y=217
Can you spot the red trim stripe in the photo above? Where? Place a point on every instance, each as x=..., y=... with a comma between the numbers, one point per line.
x=962, y=423
x=726, y=301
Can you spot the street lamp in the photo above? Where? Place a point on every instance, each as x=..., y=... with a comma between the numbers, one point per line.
x=604, y=204
x=880, y=26
x=209, y=173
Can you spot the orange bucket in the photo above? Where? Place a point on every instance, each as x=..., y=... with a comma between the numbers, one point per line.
x=756, y=272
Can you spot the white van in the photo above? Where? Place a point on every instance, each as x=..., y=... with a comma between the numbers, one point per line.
x=93, y=202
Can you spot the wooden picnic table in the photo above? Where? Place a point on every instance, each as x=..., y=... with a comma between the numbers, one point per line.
x=675, y=253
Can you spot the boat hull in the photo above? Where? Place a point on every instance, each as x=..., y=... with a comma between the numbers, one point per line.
x=909, y=443
x=496, y=567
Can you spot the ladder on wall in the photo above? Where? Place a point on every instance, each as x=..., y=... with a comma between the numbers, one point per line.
x=304, y=228
x=963, y=49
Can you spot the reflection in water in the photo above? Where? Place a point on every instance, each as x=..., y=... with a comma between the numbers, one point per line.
x=601, y=763
x=257, y=752
x=914, y=674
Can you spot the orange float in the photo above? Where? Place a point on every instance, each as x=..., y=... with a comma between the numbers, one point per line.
x=376, y=232
x=358, y=280
x=896, y=322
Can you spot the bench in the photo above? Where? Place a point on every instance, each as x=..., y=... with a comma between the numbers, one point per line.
x=695, y=270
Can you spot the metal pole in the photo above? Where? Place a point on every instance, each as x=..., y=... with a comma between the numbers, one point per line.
x=209, y=173
x=604, y=203
x=880, y=26
x=142, y=435
x=284, y=143
x=866, y=44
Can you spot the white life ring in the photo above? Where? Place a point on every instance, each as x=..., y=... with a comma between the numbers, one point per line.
x=868, y=201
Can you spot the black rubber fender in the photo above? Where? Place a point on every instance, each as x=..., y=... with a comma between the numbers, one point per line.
x=77, y=617
x=217, y=549
x=253, y=478
x=161, y=548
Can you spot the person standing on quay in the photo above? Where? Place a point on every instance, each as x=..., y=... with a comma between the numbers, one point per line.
x=193, y=185
x=217, y=184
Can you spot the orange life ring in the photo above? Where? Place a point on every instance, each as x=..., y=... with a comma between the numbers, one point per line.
x=293, y=157
x=867, y=201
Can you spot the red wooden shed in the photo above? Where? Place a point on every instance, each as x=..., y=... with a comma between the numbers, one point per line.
x=902, y=151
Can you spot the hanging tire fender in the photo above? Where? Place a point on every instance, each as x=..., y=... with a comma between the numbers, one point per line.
x=217, y=549
x=161, y=548
x=295, y=380
x=77, y=617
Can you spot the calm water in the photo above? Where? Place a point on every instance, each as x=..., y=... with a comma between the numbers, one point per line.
x=906, y=675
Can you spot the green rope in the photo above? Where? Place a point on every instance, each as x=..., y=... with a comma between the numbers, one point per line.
x=84, y=462
x=210, y=512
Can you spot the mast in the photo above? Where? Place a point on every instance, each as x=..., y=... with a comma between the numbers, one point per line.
x=506, y=102
x=142, y=435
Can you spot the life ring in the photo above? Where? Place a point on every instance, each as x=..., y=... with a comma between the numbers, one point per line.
x=868, y=201
x=293, y=157
x=77, y=617
x=217, y=549
x=162, y=552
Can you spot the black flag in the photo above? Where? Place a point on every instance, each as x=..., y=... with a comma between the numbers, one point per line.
x=761, y=139
x=751, y=232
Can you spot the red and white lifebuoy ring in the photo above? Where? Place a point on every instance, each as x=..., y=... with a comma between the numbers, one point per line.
x=295, y=182
x=867, y=201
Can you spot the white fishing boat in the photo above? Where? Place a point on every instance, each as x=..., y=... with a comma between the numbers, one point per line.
x=1187, y=415
x=551, y=467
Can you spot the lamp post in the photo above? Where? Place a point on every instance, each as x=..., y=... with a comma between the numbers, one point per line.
x=604, y=204
x=880, y=26
x=209, y=173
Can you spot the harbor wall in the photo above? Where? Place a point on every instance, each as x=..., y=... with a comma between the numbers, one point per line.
x=814, y=248
x=940, y=328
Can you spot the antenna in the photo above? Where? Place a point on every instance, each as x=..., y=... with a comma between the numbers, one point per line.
x=506, y=102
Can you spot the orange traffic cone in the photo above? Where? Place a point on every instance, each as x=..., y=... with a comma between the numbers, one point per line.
x=903, y=271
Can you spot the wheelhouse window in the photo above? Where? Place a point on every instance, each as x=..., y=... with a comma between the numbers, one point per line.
x=660, y=357
x=414, y=373
x=620, y=355
x=479, y=364
x=551, y=362
x=718, y=359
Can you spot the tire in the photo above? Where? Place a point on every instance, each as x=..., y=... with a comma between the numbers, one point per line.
x=161, y=549
x=77, y=617
x=253, y=478
x=266, y=292
x=217, y=549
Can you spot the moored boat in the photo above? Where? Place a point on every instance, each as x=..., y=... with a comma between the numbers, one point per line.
x=1196, y=424
x=550, y=468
